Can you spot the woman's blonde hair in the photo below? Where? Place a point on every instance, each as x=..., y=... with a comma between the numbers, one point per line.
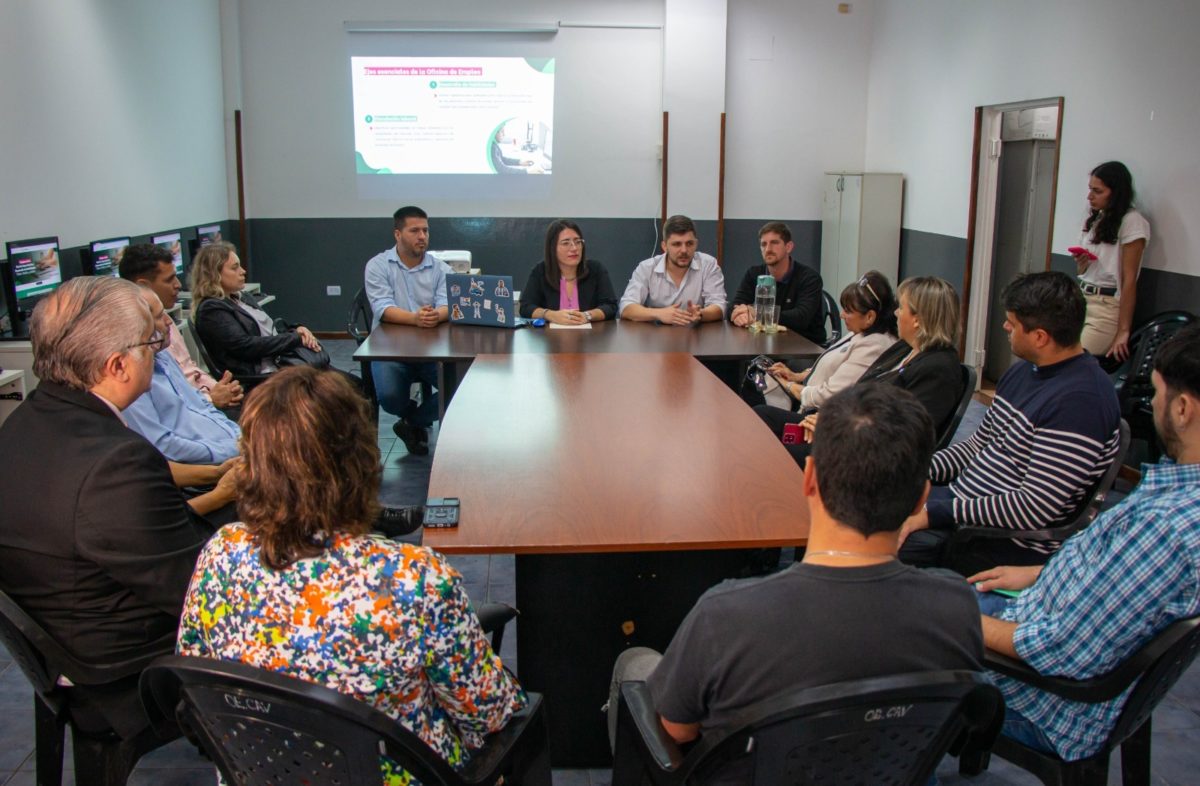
x=206, y=273
x=935, y=304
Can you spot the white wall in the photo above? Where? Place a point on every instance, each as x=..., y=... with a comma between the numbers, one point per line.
x=796, y=103
x=1127, y=71
x=694, y=96
x=298, y=135
x=112, y=119
x=791, y=75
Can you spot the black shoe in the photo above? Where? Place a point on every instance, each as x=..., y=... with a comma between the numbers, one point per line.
x=395, y=522
x=415, y=438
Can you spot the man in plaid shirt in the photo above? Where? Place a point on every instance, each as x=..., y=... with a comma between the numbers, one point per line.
x=1111, y=588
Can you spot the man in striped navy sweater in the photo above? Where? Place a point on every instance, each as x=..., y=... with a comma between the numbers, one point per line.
x=1050, y=434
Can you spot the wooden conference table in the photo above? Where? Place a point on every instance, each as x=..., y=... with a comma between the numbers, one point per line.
x=626, y=478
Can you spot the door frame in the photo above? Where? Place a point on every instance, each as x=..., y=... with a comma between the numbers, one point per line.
x=981, y=222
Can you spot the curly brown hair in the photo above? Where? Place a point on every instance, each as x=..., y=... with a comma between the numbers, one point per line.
x=311, y=464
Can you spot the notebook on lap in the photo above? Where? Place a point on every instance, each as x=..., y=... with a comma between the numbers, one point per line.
x=482, y=300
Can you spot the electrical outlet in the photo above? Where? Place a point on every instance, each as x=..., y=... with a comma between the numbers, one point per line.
x=333, y=290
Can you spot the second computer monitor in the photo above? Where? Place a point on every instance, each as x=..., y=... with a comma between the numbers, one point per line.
x=171, y=242
x=104, y=257
x=207, y=235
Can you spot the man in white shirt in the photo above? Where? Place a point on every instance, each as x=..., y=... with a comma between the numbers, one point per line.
x=681, y=286
x=407, y=286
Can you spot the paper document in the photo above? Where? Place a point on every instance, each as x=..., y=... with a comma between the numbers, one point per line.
x=556, y=326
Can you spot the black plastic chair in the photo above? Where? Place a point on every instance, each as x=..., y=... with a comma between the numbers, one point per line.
x=885, y=730
x=99, y=759
x=358, y=325
x=1085, y=514
x=833, y=314
x=248, y=380
x=1154, y=668
x=493, y=617
x=262, y=727
x=969, y=378
x=1132, y=378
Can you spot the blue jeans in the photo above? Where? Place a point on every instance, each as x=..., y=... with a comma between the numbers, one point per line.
x=991, y=603
x=1018, y=727
x=393, y=380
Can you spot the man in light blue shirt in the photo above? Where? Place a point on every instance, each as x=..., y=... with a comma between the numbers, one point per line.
x=174, y=416
x=681, y=286
x=407, y=286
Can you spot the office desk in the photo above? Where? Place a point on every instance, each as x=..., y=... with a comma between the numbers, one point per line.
x=627, y=485
x=453, y=345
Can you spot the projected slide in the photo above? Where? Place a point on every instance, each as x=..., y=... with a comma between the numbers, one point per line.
x=453, y=115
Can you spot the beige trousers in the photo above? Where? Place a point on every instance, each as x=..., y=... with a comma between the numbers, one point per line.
x=1100, y=324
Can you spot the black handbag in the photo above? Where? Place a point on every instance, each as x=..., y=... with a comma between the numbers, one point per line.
x=303, y=356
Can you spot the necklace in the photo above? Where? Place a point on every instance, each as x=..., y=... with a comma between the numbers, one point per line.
x=835, y=553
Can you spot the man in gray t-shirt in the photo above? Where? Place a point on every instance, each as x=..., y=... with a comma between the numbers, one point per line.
x=849, y=611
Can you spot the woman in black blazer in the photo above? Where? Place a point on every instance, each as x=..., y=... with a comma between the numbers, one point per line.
x=566, y=288
x=238, y=335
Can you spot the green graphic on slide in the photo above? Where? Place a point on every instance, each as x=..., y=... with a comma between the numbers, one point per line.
x=491, y=140
x=363, y=168
x=543, y=65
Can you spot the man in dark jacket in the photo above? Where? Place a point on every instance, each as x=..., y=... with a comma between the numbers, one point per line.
x=797, y=286
x=96, y=542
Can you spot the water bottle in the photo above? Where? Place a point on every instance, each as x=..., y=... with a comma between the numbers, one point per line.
x=764, y=303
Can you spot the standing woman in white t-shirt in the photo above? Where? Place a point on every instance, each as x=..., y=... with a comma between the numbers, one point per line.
x=1117, y=235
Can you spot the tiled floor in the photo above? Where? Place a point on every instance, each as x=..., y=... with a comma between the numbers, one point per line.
x=1176, y=757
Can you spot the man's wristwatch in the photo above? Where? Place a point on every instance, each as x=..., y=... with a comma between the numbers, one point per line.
x=587, y=315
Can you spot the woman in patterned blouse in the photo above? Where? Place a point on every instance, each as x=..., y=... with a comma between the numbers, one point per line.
x=299, y=586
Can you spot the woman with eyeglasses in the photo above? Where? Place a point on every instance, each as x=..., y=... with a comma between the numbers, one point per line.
x=567, y=288
x=869, y=313
x=301, y=587
x=925, y=359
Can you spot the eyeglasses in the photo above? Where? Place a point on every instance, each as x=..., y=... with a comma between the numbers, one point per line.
x=571, y=242
x=158, y=340
x=862, y=282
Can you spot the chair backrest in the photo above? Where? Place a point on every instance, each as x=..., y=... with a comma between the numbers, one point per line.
x=358, y=323
x=26, y=641
x=833, y=314
x=205, y=357
x=43, y=660
x=263, y=727
x=1132, y=378
x=192, y=343
x=1095, y=501
x=1167, y=656
x=969, y=378
x=884, y=730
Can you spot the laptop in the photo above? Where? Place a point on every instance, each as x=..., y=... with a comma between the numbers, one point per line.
x=482, y=300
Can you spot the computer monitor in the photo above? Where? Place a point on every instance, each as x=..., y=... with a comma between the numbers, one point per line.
x=171, y=242
x=207, y=235
x=103, y=257
x=35, y=266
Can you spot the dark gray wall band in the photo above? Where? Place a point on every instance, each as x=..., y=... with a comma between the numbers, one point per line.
x=295, y=259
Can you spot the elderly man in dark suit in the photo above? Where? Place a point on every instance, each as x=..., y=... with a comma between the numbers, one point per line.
x=96, y=542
